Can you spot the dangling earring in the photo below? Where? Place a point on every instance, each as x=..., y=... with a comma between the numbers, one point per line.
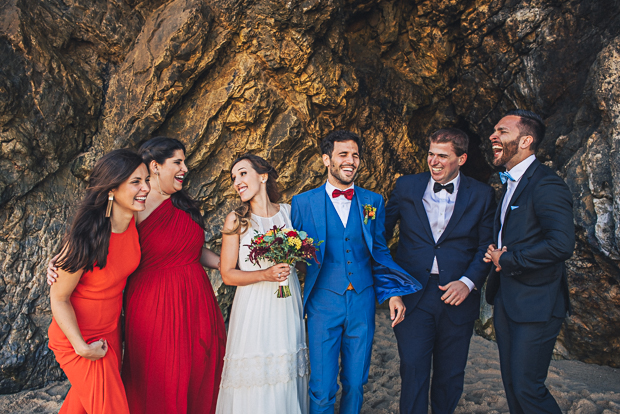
x=108, y=210
x=159, y=184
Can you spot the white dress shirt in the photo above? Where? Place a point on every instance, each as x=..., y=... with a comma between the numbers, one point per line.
x=341, y=204
x=439, y=208
x=517, y=173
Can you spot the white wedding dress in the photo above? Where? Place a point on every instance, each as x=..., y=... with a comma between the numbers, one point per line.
x=266, y=365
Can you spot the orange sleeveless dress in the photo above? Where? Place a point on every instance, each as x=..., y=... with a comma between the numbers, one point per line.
x=96, y=386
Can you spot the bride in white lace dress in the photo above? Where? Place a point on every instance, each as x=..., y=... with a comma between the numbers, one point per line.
x=266, y=364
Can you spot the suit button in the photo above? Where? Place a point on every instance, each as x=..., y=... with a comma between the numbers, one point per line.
x=348, y=251
x=428, y=270
x=350, y=273
x=348, y=262
x=347, y=239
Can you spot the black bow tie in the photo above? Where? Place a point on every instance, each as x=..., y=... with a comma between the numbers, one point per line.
x=448, y=187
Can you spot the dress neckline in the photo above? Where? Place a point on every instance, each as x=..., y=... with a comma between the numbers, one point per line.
x=166, y=201
x=126, y=230
x=268, y=218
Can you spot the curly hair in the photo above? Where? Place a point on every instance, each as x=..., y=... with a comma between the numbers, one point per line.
x=242, y=212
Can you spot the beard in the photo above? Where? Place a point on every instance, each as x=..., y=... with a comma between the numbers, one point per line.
x=509, y=150
x=334, y=170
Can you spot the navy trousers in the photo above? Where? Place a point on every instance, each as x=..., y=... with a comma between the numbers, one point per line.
x=428, y=335
x=339, y=326
x=525, y=351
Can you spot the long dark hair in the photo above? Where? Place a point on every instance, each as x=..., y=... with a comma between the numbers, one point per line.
x=86, y=243
x=159, y=149
x=243, y=212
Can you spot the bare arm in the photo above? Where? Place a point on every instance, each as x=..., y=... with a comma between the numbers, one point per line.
x=209, y=259
x=235, y=277
x=62, y=309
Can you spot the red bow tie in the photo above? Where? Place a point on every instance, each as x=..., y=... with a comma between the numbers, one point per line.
x=348, y=194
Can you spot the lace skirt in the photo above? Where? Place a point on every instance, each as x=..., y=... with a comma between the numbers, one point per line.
x=266, y=367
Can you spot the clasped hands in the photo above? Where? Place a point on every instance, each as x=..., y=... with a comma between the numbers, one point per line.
x=493, y=254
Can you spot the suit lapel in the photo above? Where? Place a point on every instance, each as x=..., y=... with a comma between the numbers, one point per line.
x=418, y=194
x=522, y=184
x=319, y=214
x=497, y=223
x=361, y=198
x=462, y=201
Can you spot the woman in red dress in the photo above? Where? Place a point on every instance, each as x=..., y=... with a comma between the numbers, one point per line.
x=99, y=252
x=175, y=337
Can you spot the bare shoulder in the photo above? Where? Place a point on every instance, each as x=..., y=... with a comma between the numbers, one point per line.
x=230, y=221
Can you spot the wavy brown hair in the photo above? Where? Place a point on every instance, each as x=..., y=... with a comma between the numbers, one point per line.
x=159, y=149
x=243, y=212
x=86, y=243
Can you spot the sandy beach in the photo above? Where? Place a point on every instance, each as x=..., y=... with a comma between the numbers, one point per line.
x=579, y=388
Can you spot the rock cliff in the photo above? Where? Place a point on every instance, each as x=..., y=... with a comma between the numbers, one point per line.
x=79, y=78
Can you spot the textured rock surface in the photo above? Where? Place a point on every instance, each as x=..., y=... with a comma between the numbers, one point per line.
x=79, y=78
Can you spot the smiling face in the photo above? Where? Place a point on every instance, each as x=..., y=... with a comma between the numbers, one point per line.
x=343, y=164
x=131, y=194
x=443, y=162
x=171, y=172
x=246, y=180
x=509, y=146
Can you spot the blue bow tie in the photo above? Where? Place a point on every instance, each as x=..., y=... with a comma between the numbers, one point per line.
x=505, y=176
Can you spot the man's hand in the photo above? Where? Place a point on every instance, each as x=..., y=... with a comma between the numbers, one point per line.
x=456, y=293
x=493, y=254
x=397, y=310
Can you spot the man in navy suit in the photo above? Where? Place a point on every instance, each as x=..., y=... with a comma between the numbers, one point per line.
x=339, y=298
x=534, y=234
x=445, y=227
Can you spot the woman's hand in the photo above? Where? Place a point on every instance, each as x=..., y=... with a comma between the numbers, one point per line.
x=51, y=270
x=93, y=351
x=277, y=273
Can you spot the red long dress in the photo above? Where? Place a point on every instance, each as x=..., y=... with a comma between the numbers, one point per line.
x=96, y=386
x=175, y=338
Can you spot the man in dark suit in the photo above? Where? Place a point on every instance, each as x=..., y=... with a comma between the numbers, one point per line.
x=445, y=229
x=534, y=235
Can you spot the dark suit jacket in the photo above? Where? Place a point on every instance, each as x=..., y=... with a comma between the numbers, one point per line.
x=539, y=234
x=459, y=250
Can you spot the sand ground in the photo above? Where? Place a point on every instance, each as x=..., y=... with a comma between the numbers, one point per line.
x=579, y=388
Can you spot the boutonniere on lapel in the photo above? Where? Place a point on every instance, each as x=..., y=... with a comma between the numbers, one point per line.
x=369, y=212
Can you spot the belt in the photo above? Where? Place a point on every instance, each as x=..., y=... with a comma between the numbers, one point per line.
x=350, y=287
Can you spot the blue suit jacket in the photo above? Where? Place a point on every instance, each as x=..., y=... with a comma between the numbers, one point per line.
x=460, y=248
x=308, y=214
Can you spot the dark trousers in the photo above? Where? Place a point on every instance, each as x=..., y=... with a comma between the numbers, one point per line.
x=427, y=334
x=525, y=351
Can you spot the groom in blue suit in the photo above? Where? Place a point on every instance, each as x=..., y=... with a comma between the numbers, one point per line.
x=445, y=227
x=355, y=268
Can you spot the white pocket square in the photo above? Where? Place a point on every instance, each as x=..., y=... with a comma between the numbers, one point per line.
x=514, y=207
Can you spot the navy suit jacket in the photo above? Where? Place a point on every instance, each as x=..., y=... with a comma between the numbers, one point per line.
x=308, y=214
x=539, y=234
x=460, y=248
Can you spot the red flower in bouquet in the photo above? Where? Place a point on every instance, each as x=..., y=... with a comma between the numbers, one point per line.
x=282, y=245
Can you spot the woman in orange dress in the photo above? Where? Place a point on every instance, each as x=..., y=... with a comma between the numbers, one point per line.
x=98, y=254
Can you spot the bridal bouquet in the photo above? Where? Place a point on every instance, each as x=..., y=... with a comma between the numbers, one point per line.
x=282, y=245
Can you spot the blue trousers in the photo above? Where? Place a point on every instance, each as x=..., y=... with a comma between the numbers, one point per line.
x=339, y=326
x=428, y=335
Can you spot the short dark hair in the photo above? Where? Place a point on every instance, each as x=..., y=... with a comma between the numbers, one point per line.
x=327, y=144
x=530, y=124
x=458, y=139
